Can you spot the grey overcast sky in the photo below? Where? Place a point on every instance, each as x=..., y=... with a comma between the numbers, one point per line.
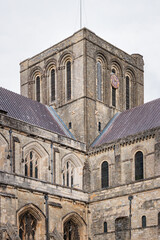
x=28, y=27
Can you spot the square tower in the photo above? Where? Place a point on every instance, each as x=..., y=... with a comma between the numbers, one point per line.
x=87, y=81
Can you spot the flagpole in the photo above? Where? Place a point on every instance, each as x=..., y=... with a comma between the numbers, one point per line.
x=80, y=14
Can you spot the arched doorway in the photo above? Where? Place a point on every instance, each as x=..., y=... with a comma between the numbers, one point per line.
x=74, y=227
x=31, y=223
x=71, y=231
x=27, y=226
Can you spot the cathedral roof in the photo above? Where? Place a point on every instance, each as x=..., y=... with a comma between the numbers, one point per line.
x=32, y=112
x=130, y=122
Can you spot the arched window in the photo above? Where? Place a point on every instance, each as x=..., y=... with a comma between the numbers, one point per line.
x=38, y=89
x=53, y=87
x=27, y=226
x=104, y=175
x=159, y=219
x=68, y=78
x=105, y=227
x=144, y=222
x=31, y=164
x=99, y=80
x=127, y=92
x=138, y=165
x=68, y=174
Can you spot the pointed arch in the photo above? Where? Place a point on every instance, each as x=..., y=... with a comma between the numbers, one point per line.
x=4, y=153
x=72, y=171
x=34, y=160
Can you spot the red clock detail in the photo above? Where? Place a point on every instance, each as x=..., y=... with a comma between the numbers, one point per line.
x=114, y=81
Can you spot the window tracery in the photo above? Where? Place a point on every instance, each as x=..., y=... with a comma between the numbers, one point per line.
x=31, y=164
x=68, y=174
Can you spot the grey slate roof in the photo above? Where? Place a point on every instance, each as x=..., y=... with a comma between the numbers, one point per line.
x=130, y=122
x=32, y=112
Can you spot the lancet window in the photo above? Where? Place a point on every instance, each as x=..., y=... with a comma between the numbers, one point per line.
x=144, y=222
x=104, y=174
x=31, y=164
x=53, y=84
x=99, y=80
x=138, y=165
x=38, y=88
x=105, y=227
x=68, y=174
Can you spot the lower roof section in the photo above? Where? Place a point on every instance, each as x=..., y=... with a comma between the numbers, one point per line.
x=130, y=122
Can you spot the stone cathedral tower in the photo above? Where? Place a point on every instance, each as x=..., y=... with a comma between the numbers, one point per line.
x=86, y=79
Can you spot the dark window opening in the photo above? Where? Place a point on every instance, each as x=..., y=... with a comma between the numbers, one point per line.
x=105, y=227
x=31, y=155
x=31, y=169
x=139, y=166
x=36, y=172
x=26, y=170
x=159, y=219
x=68, y=80
x=71, y=180
x=63, y=179
x=53, y=92
x=99, y=126
x=144, y=222
x=70, y=125
x=67, y=179
x=104, y=175
x=38, y=89
x=113, y=96
x=113, y=71
x=127, y=92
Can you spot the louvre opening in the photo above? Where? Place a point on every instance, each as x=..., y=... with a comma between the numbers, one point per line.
x=53, y=93
x=68, y=80
x=127, y=92
x=38, y=88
